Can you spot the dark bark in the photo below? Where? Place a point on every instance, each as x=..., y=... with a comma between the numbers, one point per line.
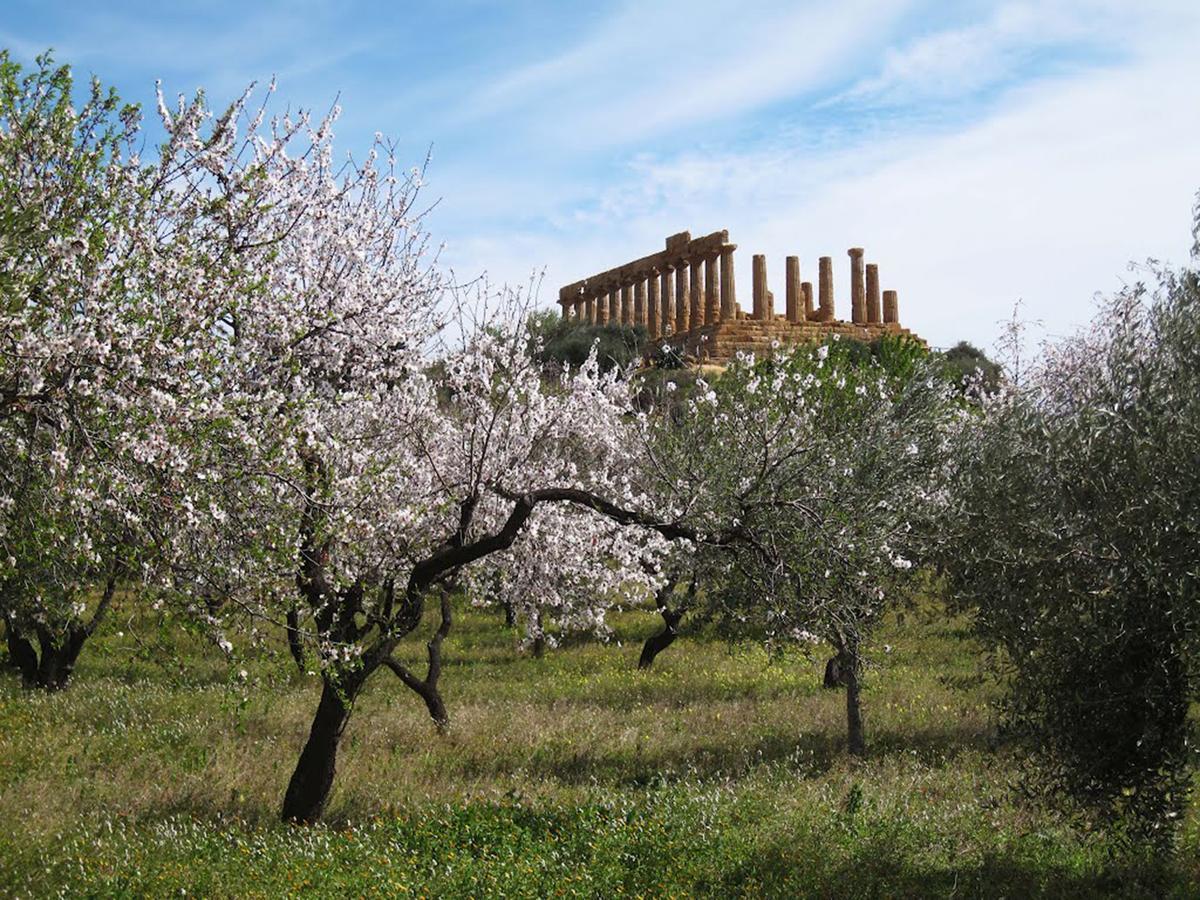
x=835, y=676
x=852, y=670
x=660, y=641
x=21, y=655
x=49, y=666
x=295, y=645
x=427, y=688
x=311, y=782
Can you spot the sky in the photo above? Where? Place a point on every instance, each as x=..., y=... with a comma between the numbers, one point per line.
x=984, y=153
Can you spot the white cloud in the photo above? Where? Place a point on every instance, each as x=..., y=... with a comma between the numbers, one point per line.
x=956, y=62
x=1046, y=199
x=656, y=66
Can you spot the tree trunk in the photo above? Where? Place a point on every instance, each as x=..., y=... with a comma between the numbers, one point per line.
x=21, y=655
x=851, y=670
x=661, y=640
x=427, y=688
x=50, y=665
x=295, y=645
x=58, y=659
x=433, y=702
x=834, y=676
x=539, y=640
x=309, y=788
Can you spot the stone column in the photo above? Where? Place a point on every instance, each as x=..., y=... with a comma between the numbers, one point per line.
x=627, y=304
x=639, y=303
x=873, y=293
x=579, y=305
x=758, y=270
x=667, y=293
x=696, y=294
x=682, y=322
x=652, y=304
x=795, y=303
x=891, y=308
x=712, y=288
x=810, y=314
x=826, y=311
x=858, y=297
x=728, y=291
x=589, y=310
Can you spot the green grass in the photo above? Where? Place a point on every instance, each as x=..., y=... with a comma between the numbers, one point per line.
x=721, y=773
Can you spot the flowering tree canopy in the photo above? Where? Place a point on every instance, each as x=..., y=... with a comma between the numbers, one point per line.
x=97, y=330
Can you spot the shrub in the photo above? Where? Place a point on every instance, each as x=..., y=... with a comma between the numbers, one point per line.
x=964, y=363
x=1075, y=533
x=564, y=342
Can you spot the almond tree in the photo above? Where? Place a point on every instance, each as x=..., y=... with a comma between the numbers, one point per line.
x=596, y=565
x=96, y=349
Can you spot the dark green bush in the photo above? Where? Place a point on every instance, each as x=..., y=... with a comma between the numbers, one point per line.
x=566, y=342
x=964, y=363
x=1074, y=531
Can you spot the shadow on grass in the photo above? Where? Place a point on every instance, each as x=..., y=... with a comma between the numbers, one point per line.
x=880, y=867
x=812, y=754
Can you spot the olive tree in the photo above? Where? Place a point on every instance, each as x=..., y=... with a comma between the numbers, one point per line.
x=1074, y=532
x=823, y=463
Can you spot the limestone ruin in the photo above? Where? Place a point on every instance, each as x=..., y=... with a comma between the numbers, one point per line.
x=684, y=296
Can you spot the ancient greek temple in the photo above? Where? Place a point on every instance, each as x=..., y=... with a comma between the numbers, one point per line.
x=684, y=296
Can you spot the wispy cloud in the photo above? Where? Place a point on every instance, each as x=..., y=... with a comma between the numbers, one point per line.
x=1018, y=35
x=653, y=67
x=1045, y=196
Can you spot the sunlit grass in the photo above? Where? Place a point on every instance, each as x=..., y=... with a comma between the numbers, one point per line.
x=721, y=771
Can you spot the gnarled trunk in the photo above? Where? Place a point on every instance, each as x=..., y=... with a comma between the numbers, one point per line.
x=58, y=658
x=427, y=688
x=50, y=664
x=661, y=640
x=308, y=790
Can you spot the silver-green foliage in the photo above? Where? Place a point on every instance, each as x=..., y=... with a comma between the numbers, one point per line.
x=1075, y=533
x=819, y=470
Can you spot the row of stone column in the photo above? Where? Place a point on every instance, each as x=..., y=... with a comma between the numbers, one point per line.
x=689, y=294
x=867, y=306
x=672, y=298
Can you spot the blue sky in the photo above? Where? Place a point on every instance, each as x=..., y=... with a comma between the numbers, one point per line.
x=982, y=152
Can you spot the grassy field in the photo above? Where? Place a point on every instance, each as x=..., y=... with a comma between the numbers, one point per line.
x=719, y=773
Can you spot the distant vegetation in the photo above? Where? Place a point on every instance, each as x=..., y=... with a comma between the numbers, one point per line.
x=967, y=366
x=564, y=342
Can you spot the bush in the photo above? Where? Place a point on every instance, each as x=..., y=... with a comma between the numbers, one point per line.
x=1075, y=533
x=964, y=363
x=566, y=342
